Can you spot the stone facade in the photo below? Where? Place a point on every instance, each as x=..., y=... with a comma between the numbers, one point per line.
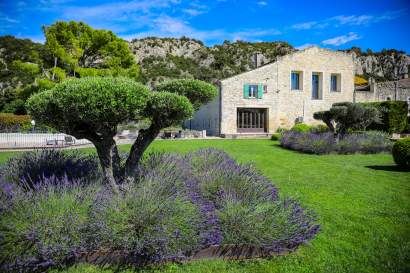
x=391, y=90
x=282, y=105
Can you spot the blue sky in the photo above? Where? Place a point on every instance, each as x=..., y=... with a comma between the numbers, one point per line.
x=334, y=24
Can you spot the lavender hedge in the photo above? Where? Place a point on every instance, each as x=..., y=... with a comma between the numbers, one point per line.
x=35, y=167
x=324, y=143
x=180, y=205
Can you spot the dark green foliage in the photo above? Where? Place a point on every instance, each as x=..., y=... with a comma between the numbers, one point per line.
x=345, y=116
x=394, y=116
x=78, y=106
x=78, y=45
x=15, y=107
x=198, y=92
x=401, y=152
x=166, y=109
x=276, y=136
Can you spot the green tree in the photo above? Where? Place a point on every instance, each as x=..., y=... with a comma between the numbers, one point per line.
x=347, y=115
x=93, y=107
x=76, y=46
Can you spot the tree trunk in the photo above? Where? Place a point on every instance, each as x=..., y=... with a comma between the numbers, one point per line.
x=55, y=65
x=116, y=164
x=144, y=139
x=105, y=149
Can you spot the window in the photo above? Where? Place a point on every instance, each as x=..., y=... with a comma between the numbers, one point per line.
x=265, y=89
x=335, y=82
x=253, y=91
x=296, y=80
x=317, y=85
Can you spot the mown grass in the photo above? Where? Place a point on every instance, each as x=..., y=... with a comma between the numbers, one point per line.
x=362, y=201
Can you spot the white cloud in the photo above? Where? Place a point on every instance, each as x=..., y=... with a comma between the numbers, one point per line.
x=262, y=3
x=341, y=40
x=352, y=19
x=193, y=12
x=306, y=25
x=166, y=26
x=349, y=20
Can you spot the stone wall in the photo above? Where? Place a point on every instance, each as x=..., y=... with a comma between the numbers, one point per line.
x=285, y=105
x=391, y=90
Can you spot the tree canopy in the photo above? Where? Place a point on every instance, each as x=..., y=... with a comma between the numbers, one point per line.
x=76, y=46
x=92, y=107
x=347, y=115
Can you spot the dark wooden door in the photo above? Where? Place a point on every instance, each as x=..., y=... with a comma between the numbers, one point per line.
x=251, y=120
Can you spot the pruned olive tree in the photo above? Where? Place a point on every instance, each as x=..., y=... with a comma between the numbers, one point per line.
x=92, y=108
x=343, y=116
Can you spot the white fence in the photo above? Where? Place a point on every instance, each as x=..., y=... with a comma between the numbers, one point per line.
x=38, y=140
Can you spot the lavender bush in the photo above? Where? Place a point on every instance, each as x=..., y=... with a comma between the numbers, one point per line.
x=324, y=143
x=35, y=167
x=310, y=143
x=42, y=227
x=180, y=205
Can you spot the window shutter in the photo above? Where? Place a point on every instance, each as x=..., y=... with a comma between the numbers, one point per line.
x=245, y=91
x=260, y=90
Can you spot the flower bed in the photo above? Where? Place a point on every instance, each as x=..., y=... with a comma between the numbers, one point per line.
x=324, y=143
x=182, y=207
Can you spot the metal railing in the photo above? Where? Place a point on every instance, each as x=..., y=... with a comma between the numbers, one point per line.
x=38, y=140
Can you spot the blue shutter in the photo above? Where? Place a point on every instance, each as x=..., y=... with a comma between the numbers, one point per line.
x=260, y=90
x=246, y=91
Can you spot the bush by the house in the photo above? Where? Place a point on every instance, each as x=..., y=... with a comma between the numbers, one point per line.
x=320, y=128
x=32, y=168
x=180, y=204
x=401, y=153
x=324, y=143
x=394, y=116
x=276, y=136
x=12, y=123
x=300, y=127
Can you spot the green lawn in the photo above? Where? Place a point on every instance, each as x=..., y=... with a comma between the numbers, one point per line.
x=362, y=201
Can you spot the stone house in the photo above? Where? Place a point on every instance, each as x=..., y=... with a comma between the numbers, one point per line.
x=278, y=94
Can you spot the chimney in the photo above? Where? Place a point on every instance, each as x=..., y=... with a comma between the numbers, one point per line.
x=257, y=59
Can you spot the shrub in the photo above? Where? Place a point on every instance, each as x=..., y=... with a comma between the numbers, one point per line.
x=394, y=116
x=150, y=220
x=318, y=129
x=276, y=136
x=12, y=123
x=313, y=143
x=300, y=127
x=281, y=130
x=44, y=228
x=32, y=168
x=180, y=205
x=365, y=142
x=401, y=152
x=310, y=143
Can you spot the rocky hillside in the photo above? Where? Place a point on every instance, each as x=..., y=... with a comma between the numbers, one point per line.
x=163, y=58
x=384, y=65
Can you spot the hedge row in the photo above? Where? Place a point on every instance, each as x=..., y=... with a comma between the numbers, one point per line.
x=11, y=122
x=394, y=116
